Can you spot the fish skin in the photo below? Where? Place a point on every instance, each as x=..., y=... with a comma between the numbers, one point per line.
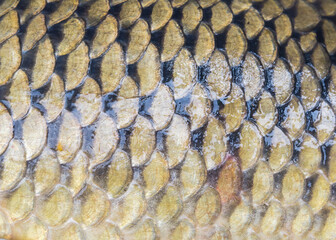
x=226, y=86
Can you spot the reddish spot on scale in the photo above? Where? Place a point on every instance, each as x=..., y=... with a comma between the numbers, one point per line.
x=230, y=180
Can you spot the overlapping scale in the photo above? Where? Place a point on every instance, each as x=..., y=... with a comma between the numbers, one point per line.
x=106, y=33
x=130, y=12
x=73, y=30
x=13, y=165
x=6, y=129
x=54, y=98
x=10, y=58
x=34, y=7
x=69, y=137
x=36, y=29
x=47, y=172
x=63, y=10
x=167, y=119
x=126, y=107
x=138, y=41
x=34, y=133
x=10, y=25
x=76, y=66
x=112, y=68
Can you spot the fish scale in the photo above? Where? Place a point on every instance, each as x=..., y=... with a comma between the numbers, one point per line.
x=158, y=119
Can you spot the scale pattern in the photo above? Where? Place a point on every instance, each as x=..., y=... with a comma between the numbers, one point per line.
x=167, y=119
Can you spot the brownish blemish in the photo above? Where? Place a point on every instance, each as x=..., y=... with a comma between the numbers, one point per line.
x=230, y=181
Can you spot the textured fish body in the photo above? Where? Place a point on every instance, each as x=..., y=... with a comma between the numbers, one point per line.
x=167, y=119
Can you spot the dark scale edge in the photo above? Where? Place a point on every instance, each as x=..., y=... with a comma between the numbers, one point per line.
x=4, y=91
x=311, y=117
x=237, y=75
x=2, y=165
x=55, y=33
x=227, y=2
x=99, y=173
x=50, y=8
x=268, y=83
x=70, y=98
x=60, y=66
x=82, y=193
x=297, y=85
x=291, y=12
x=270, y=25
x=267, y=144
x=319, y=32
x=278, y=179
x=157, y=39
x=124, y=138
x=307, y=58
x=258, y=5
x=146, y=13
x=28, y=61
x=309, y=184
x=65, y=173
x=40, y=107
x=174, y=174
x=324, y=88
x=160, y=140
x=53, y=132
x=197, y=138
x=333, y=193
x=88, y=134
x=252, y=46
x=251, y=107
x=17, y=128
x=145, y=103
x=22, y=32
x=82, y=10
x=207, y=15
x=220, y=39
x=38, y=94
x=30, y=168
x=190, y=41
x=154, y=201
x=132, y=72
x=296, y=150
x=115, y=11
x=233, y=141
x=123, y=38
x=202, y=74
x=23, y=5
x=95, y=70
x=213, y=175
x=89, y=35
x=239, y=20
x=177, y=14
x=247, y=180
x=325, y=149
x=181, y=106
x=137, y=174
x=282, y=53
x=333, y=59
x=324, y=159
x=107, y=103
x=216, y=107
x=167, y=73
x=7, y=106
